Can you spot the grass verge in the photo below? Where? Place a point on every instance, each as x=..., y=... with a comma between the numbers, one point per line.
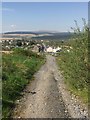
x=74, y=66
x=18, y=69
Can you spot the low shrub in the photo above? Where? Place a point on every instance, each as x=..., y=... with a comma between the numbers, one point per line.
x=74, y=64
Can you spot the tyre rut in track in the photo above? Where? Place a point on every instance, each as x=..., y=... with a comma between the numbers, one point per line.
x=45, y=100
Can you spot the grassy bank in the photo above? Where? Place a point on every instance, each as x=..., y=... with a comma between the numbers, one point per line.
x=74, y=65
x=17, y=72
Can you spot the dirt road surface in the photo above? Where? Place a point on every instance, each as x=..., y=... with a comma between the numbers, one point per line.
x=43, y=97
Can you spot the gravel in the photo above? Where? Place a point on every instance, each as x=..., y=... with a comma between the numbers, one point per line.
x=48, y=97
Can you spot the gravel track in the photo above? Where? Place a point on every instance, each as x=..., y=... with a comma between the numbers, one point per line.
x=47, y=97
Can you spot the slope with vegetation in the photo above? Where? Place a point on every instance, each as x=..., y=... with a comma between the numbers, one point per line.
x=74, y=62
x=17, y=72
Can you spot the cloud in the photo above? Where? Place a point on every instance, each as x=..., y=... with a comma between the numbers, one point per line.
x=13, y=26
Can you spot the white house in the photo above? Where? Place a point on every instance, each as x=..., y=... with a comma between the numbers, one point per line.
x=58, y=48
x=49, y=49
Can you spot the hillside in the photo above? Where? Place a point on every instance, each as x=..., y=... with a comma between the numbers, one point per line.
x=73, y=62
x=17, y=72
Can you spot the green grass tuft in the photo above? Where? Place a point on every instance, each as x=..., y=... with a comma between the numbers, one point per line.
x=74, y=65
x=17, y=72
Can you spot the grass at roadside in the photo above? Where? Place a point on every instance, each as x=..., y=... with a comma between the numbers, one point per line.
x=17, y=72
x=74, y=65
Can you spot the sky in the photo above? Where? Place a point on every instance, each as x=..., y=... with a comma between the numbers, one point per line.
x=42, y=16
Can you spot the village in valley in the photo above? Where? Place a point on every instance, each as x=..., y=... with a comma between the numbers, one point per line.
x=38, y=46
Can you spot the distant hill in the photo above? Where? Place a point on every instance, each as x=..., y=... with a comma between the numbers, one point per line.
x=21, y=32
x=45, y=35
x=54, y=36
x=36, y=32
